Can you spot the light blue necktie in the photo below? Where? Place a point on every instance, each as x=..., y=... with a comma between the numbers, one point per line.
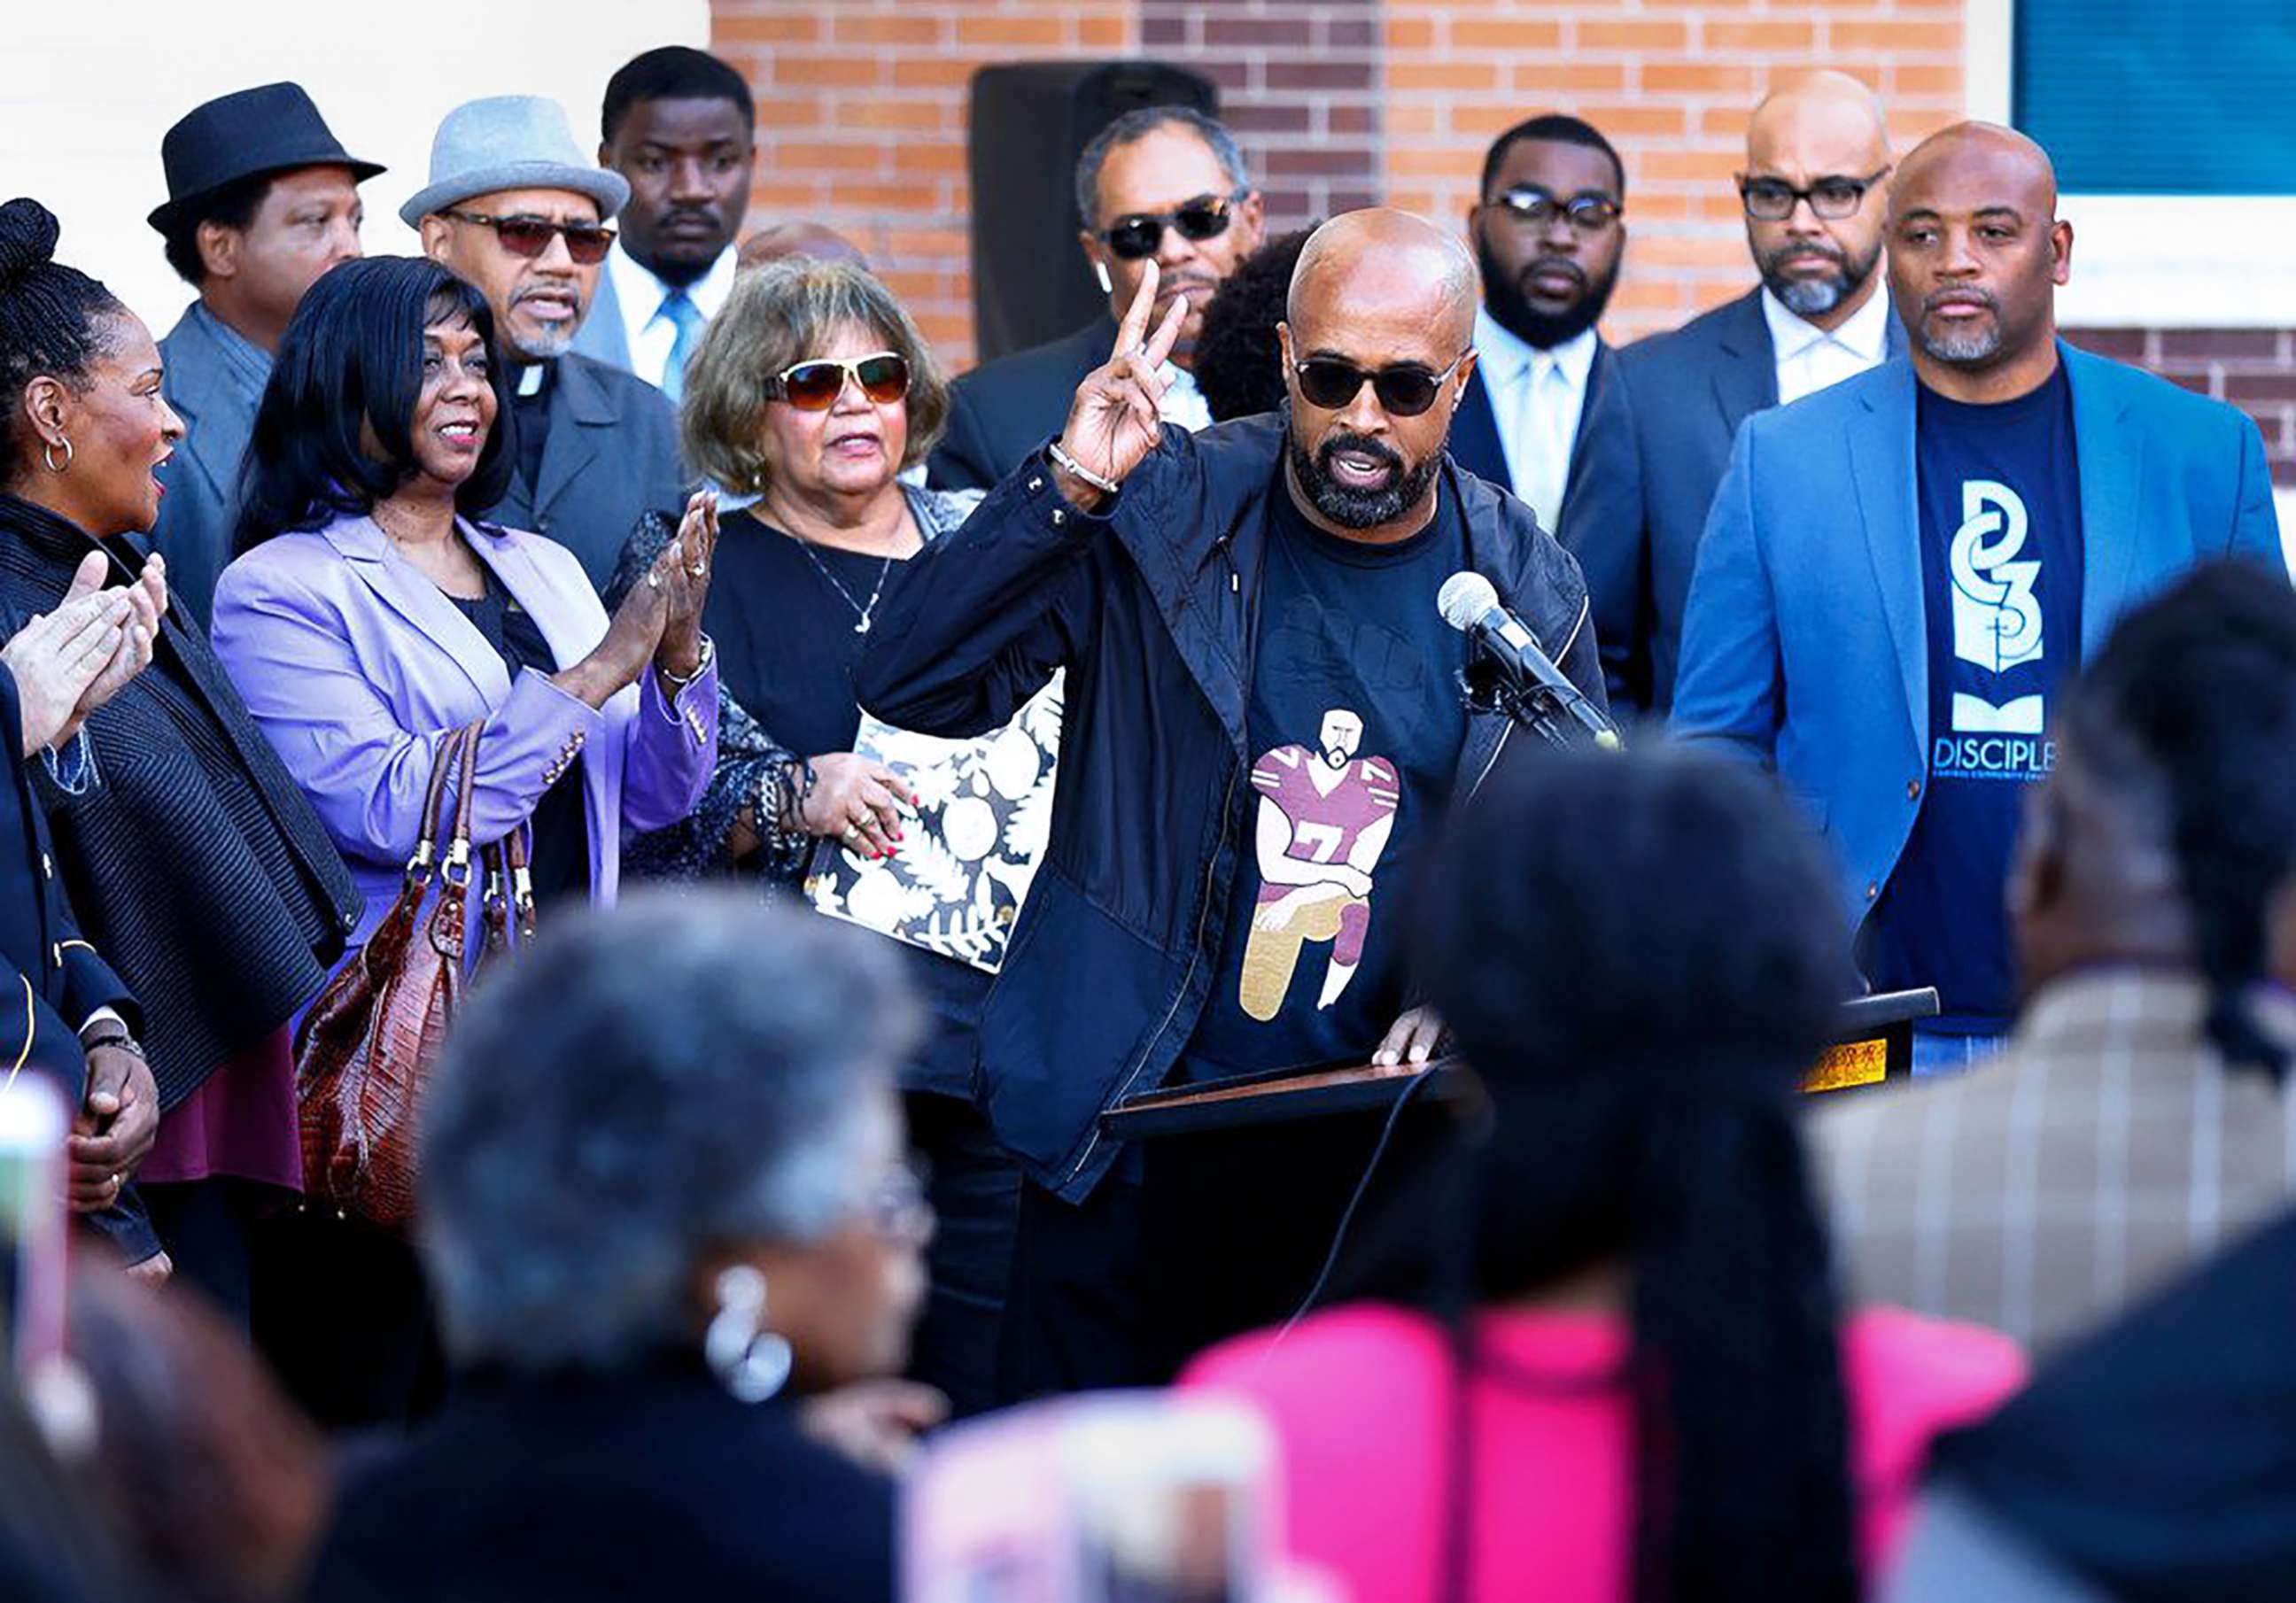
x=678, y=307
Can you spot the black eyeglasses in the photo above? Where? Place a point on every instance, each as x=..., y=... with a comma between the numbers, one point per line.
x=1774, y=200
x=1534, y=207
x=815, y=386
x=1137, y=237
x=585, y=243
x=1405, y=390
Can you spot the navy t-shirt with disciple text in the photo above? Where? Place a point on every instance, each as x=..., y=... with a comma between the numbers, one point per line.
x=2001, y=578
x=1356, y=724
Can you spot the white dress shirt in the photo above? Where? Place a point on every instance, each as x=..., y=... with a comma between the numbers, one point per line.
x=638, y=294
x=1537, y=395
x=1809, y=358
x=1183, y=404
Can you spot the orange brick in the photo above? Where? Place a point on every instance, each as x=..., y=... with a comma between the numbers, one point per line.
x=1594, y=34
x=1567, y=76
x=1409, y=119
x=1648, y=206
x=788, y=196
x=1767, y=37
x=795, y=157
x=1409, y=33
x=1696, y=167
x=1916, y=78
x=1508, y=33
x=1103, y=33
x=934, y=72
x=1442, y=75
x=1043, y=32
x=774, y=27
x=1696, y=77
x=827, y=71
x=1673, y=251
x=1630, y=119
x=1894, y=38
x=1443, y=161
x=904, y=28
x=786, y=110
x=923, y=115
x=952, y=244
x=1726, y=122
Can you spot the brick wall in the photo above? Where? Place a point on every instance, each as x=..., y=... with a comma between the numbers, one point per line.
x=861, y=108
x=1670, y=82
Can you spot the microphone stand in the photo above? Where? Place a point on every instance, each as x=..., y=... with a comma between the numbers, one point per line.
x=1486, y=686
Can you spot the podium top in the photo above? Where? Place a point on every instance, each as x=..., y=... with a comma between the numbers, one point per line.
x=1273, y=1095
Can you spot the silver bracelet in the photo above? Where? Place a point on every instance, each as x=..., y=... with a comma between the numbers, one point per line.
x=1067, y=463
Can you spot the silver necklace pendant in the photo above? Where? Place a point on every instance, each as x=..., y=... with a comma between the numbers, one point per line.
x=862, y=626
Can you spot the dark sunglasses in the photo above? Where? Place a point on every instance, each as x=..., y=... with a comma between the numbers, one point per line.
x=1535, y=207
x=1774, y=200
x=1406, y=389
x=585, y=243
x=1137, y=237
x=815, y=386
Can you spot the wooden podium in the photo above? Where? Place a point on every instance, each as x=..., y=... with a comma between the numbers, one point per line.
x=1873, y=1042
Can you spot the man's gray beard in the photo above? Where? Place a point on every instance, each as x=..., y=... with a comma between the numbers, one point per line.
x=1972, y=346
x=547, y=345
x=1813, y=297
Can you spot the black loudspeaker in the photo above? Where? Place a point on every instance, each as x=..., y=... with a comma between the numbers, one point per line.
x=1030, y=123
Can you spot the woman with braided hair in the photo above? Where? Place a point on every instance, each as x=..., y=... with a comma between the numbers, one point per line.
x=1632, y=1380
x=193, y=862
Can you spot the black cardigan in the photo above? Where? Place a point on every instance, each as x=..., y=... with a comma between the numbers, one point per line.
x=194, y=861
x=647, y=1484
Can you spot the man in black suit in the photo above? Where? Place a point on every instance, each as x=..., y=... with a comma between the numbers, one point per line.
x=1165, y=184
x=514, y=210
x=1544, y=414
x=1816, y=197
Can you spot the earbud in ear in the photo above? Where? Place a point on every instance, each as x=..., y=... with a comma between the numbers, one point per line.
x=1100, y=271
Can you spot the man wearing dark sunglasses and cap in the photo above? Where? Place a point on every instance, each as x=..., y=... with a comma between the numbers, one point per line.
x=1162, y=186
x=262, y=199
x=513, y=209
x=1545, y=415
x=1263, y=727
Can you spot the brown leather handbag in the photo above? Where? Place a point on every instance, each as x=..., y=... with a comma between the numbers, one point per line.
x=365, y=1050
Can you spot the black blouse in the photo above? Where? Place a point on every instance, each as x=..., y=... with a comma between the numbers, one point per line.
x=559, y=858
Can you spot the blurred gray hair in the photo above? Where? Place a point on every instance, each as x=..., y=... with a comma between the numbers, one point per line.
x=689, y=1069
x=1139, y=124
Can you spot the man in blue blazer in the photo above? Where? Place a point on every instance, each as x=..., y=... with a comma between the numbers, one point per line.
x=1900, y=570
x=1815, y=194
x=1548, y=236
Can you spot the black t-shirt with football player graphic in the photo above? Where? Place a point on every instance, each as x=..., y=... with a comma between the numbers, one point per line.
x=1355, y=725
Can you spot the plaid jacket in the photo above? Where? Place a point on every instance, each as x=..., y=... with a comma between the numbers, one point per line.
x=2105, y=1149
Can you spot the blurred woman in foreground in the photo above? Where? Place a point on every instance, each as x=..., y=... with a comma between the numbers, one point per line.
x=1634, y=1380
x=665, y=1203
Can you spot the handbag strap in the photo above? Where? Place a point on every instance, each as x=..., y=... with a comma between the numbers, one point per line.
x=448, y=927
x=426, y=845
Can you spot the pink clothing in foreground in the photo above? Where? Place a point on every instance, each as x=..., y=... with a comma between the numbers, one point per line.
x=1360, y=1399
x=241, y=1123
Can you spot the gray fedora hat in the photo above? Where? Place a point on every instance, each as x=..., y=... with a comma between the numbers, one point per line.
x=510, y=142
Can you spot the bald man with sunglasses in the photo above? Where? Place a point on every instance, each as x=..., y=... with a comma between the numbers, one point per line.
x=514, y=210
x=1263, y=727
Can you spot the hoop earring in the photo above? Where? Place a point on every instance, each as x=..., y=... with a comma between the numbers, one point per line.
x=750, y=1361
x=48, y=455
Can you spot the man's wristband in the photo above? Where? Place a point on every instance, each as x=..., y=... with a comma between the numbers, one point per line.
x=1070, y=466
x=120, y=1039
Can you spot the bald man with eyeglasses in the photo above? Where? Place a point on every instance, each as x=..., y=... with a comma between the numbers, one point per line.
x=1815, y=194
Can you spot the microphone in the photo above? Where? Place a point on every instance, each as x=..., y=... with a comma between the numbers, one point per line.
x=1469, y=604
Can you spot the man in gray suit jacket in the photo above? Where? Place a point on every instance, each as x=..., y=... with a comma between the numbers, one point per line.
x=1814, y=191
x=513, y=209
x=262, y=199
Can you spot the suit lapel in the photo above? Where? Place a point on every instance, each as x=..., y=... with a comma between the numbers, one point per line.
x=1475, y=435
x=401, y=587
x=1746, y=379
x=1585, y=443
x=2109, y=452
x=568, y=446
x=1882, y=465
x=570, y=635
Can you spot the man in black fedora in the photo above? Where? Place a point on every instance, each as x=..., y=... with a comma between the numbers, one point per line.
x=262, y=199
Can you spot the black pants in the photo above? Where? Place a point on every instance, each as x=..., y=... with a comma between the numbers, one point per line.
x=203, y=1226
x=975, y=1191
x=1198, y=1239
x=343, y=1315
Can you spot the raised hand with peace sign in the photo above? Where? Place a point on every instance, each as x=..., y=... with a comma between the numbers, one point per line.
x=1114, y=422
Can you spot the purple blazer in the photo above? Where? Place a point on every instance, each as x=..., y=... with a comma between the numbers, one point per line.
x=358, y=667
